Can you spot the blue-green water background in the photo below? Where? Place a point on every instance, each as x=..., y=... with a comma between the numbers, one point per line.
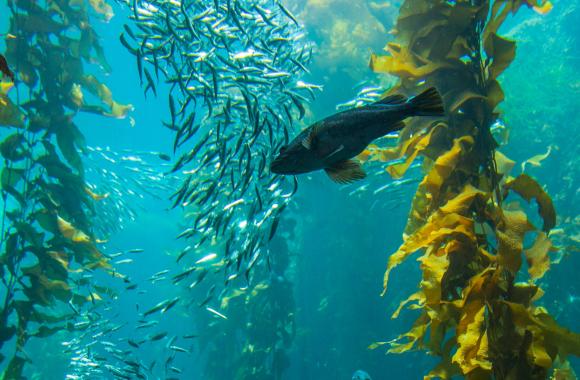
x=343, y=241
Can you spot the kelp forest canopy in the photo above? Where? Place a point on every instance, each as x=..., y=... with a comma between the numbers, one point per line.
x=467, y=221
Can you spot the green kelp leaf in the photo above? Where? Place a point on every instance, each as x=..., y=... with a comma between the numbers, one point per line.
x=54, y=264
x=5, y=69
x=56, y=169
x=40, y=23
x=462, y=98
x=45, y=331
x=10, y=114
x=46, y=220
x=495, y=94
x=501, y=51
x=37, y=124
x=6, y=333
x=44, y=289
x=12, y=147
x=79, y=300
x=528, y=188
x=29, y=233
x=117, y=110
x=14, y=369
x=11, y=251
x=9, y=179
x=66, y=137
x=11, y=176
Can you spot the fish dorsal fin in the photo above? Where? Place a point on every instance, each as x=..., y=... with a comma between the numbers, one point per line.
x=345, y=172
x=308, y=141
x=392, y=99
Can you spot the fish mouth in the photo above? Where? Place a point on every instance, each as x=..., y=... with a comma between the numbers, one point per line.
x=283, y=165
x=277, y=166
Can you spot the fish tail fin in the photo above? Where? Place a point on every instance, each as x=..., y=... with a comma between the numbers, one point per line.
x=427, y=103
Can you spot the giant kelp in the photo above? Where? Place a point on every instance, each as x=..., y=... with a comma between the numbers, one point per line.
x=465, y=219
x=47, y=242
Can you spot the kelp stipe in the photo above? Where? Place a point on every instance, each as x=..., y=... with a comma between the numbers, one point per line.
x=46, y=239
x=473, y=314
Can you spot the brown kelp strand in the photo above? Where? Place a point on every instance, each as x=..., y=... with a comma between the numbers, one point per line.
x=466, y=219
x=48, y=240
x=232, y=70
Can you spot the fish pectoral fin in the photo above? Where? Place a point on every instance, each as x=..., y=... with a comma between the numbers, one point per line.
x=345, y=172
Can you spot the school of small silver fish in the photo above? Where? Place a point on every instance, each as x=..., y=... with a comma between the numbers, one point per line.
x=233, y=68
x=123, y=182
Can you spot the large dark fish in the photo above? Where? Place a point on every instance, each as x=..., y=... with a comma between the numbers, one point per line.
x=330, y=144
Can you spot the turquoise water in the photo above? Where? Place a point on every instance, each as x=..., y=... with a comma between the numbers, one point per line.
x=320, y=305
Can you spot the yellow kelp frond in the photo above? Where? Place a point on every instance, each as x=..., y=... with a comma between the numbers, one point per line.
x=503, y=164
x=538, y=256
x=59, y=257
x=528, y=188
x=510, y=239
x=428, y=190
x=10, y=114
x=418, y=297
x=415, y=146
x=95, y=196
x=404, y=63
x=563, y=371
x=412, y=337
x=470, y=239
x=549, y=339
x=446, y=223
x=44, y=289
x=503, y=52
x=541, y=7
x=433, y=233
x=410, y=147
x=102, y=8
x=101, y=91
x=434, y=267
x=525, y=293
x=472, y=353
x=76, y=95
x=70, y=232
x=501, y=9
